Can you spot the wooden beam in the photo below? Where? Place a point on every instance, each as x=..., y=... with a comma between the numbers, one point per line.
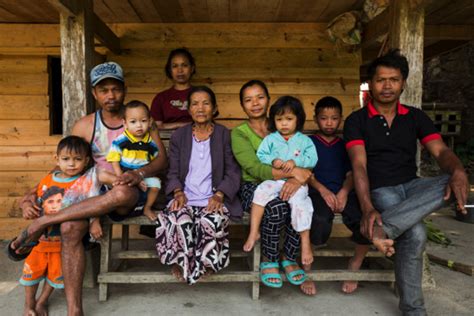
x=69, y=7
x=449, y=32
x=105, y=35
x=441, y=47
x=375, y=29
x=77, y=55
x=407, y=19
x=102, y=32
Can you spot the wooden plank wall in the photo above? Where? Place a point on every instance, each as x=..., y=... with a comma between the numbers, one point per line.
x=292, y=58
x=26, y=148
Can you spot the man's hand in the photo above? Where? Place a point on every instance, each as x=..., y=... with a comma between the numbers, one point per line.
x=341, y=198
x=367, y=223
x=130, y=178
x=329, y=198
x=288, y=166
x=289, y=188
x=459, y=185
x=179, y=201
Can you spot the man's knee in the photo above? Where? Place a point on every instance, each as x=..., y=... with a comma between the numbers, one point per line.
x=414, y=238
x=73, y=232
x=123, y=193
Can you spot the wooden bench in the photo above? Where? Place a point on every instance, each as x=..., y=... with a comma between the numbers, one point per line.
x=108, y=275
x=251, y=275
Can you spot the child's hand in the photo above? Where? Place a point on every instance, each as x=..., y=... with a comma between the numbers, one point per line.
x=277, y=163
x=341, y=198
x=288, y=166
x=95, y=229
x=142, y=186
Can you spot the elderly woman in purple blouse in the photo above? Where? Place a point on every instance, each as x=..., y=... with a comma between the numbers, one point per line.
x=203, y=180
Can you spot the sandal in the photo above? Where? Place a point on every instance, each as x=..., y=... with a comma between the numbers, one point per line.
x=265, y=276
x=290, y=275
x=25, y=247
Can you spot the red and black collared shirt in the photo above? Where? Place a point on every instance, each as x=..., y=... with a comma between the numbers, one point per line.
x=391, y=151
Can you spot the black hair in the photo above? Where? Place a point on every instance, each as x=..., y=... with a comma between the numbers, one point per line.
x=51, y=191
x=251, y=83
x=287, y=104
x=75, y=144
x=393, y=59
x=327, y=103
x=211, y=94
x=179, y=52
x=133, y=105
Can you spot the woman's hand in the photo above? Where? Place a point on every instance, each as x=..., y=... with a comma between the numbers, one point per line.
x=301, y=175
x=216, y=202
x=289, y=188
x=179, y=201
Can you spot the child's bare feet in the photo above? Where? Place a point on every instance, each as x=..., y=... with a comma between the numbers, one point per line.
x=251, y=240
x=41, y=309
x=95, y=229
x=309, y=288
x=381, y=242
x=148, y=212
x=306, y=254
x=177, y=273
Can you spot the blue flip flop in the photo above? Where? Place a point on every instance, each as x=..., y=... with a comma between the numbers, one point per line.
x=265, y=277
x=292, y=274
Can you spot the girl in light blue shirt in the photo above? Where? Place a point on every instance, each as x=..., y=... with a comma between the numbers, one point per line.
x=285, y=149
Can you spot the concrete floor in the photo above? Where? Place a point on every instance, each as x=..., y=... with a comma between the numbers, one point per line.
x=454, y=295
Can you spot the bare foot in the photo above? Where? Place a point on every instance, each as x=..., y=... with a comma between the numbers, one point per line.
x=381, y=242
x=309, y=288
x=349, y=287
x=147, y=211
x=306, y=254
x=251, y=240
x=207, y=274
x=95, y=229
x=29, y=312
x=178, y=274
x=41, y=309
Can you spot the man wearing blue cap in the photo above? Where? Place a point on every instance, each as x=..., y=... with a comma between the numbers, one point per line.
x=100, y=129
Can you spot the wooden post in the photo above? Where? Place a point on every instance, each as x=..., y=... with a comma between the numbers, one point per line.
x=407, y=20
x=77, y=55
x=406, y=32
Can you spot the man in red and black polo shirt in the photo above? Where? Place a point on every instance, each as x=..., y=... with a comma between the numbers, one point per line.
x=381, y=140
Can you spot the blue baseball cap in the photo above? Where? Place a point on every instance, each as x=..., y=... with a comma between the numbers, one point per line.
x=106, y=70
